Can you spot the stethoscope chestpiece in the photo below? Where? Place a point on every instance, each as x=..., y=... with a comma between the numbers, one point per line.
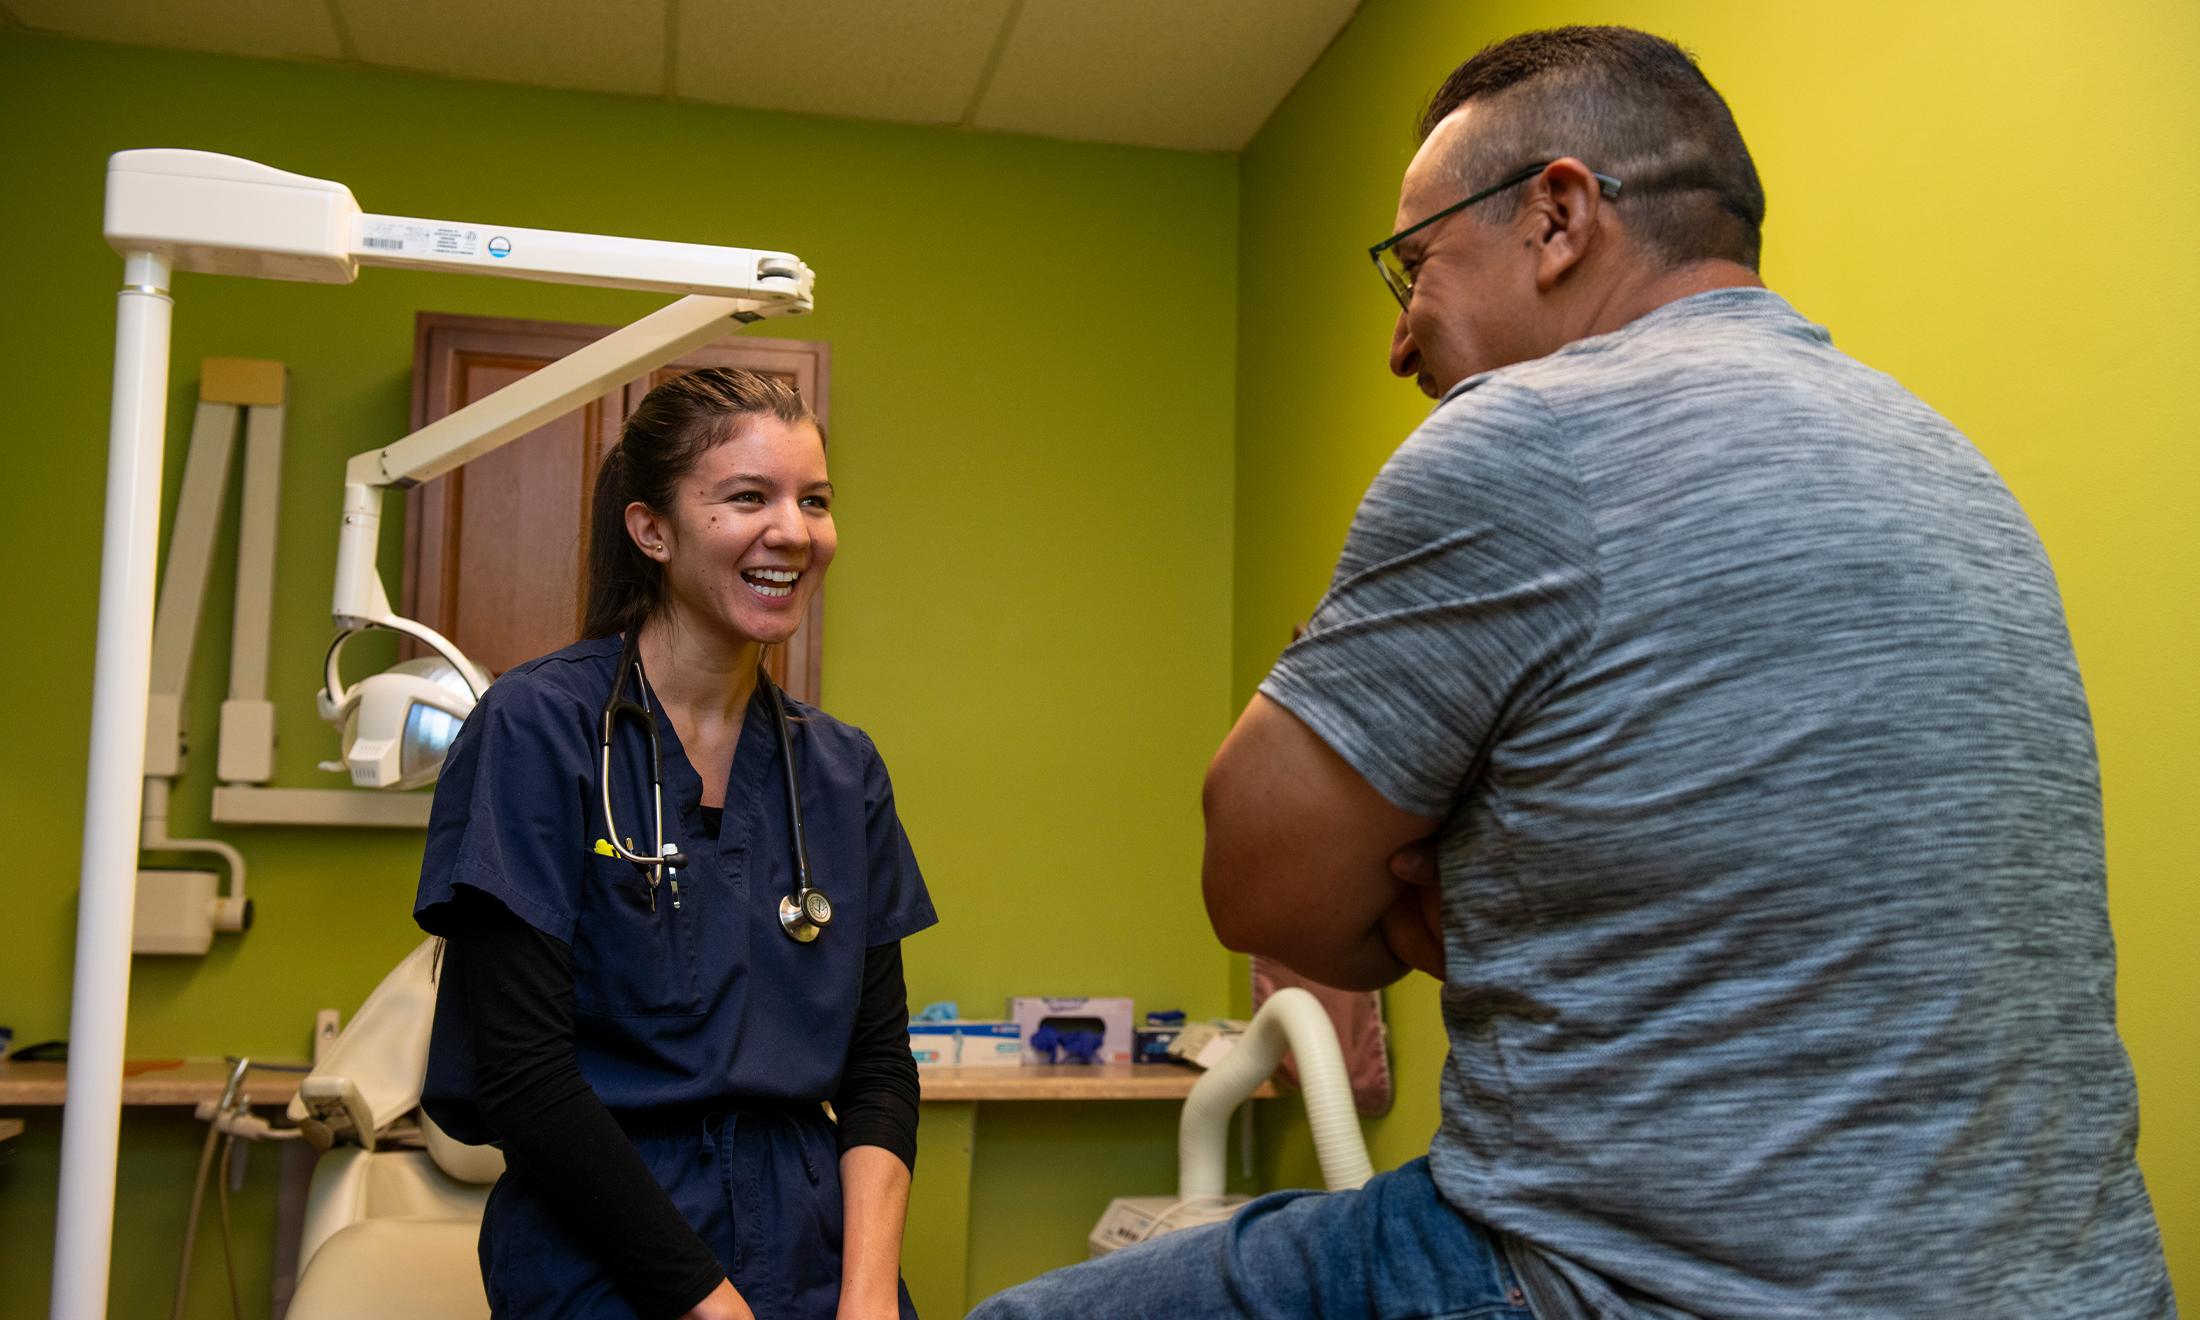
x=803, y=920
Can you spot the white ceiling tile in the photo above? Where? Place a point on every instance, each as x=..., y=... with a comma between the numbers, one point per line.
x=1200, y=75
x=590, y=45
x=912, y=61
x=284, y=29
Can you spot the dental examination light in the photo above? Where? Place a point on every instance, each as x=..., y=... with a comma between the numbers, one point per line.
x=196, y=211
x=396, y=725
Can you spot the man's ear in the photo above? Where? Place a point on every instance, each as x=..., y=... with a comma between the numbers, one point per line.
x=1567, y=204
x=649, y=531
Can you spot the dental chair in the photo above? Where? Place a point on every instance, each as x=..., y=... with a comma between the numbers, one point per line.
x=394, y=1209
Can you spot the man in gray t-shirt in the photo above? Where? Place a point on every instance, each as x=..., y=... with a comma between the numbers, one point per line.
x=1777, y=965
x=1733, y=692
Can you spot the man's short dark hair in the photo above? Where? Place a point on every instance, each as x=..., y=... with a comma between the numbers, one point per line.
x=1626, y=104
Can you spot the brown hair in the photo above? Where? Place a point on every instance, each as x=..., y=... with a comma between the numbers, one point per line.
x=674, y=426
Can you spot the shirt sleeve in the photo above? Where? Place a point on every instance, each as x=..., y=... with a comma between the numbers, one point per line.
x=876, y=1104
x=517, y=987
x=511, y=810
x=1467, y=586
x=900, y=905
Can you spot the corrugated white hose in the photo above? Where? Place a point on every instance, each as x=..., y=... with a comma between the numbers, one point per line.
x=1292, y=1019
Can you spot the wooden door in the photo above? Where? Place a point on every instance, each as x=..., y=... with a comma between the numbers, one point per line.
x=495, y=551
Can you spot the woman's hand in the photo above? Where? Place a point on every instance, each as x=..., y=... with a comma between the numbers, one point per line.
x=722, y=1304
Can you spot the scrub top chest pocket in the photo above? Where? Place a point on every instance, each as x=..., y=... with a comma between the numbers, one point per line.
x=630, y=961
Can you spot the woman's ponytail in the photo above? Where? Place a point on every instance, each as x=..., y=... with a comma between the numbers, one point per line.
x=625, y=586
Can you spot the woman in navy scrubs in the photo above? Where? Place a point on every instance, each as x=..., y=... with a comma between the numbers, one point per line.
x=653, y=1060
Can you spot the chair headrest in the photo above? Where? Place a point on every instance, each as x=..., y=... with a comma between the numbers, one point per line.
x=370, y=1077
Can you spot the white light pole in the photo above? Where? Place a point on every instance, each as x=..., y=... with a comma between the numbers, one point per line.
x=122, y=671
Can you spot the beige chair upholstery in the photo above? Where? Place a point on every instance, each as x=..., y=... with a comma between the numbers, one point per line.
x=380, y=1268
x=389, y=1230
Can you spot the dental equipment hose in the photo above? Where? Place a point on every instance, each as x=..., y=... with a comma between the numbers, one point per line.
x=226, y=1119
x=229, y=1236
x=191, y=1220
x=231, y=1097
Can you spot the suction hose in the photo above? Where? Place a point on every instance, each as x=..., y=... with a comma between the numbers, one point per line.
x=1291, y=1019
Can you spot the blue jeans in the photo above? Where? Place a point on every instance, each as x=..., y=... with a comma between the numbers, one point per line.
x=1393, y=1249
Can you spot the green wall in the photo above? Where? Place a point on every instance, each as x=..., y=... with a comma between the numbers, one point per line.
x=1100, y=419
x=1032, y=427
x=1997, y=203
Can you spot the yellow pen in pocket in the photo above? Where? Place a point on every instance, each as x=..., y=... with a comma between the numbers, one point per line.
x=604, y=848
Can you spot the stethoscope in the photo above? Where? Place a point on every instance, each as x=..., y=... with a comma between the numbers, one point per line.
x=801, y=914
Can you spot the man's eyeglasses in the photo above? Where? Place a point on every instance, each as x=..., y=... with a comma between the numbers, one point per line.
x=1399, y=280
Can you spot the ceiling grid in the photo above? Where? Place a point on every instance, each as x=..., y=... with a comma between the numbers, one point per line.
x=1190, y=75
x=671, y=74
x=345, y=46
x=992, y=63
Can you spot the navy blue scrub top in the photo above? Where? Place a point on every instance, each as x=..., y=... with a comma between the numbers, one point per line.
x=709, y=1004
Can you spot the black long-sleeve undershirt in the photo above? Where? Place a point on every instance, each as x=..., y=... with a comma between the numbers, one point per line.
x=517, y=985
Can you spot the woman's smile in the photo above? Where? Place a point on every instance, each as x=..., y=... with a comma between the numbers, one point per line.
x=771, y=584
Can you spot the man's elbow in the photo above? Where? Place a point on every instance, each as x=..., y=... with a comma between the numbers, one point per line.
x=1242, y=906
x=1223, y=881
x=1228, y=911
x=1243, y=923
x=1234, y=921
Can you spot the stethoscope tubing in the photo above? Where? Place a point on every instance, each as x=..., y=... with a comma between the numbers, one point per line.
x=617, y=705
x=809, y=910
x=801, y=915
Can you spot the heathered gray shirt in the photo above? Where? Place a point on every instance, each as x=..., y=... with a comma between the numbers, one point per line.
x=1780, y=977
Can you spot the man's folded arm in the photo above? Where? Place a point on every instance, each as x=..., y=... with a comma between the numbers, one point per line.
x=1298, y=853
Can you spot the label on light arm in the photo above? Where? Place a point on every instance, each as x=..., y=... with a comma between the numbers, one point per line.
x=417, y=240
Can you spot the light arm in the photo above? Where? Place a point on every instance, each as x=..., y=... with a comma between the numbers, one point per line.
x=727, y=288
x=584, y=374
x=203, y=211
x=479, y=427
x=765, y=279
